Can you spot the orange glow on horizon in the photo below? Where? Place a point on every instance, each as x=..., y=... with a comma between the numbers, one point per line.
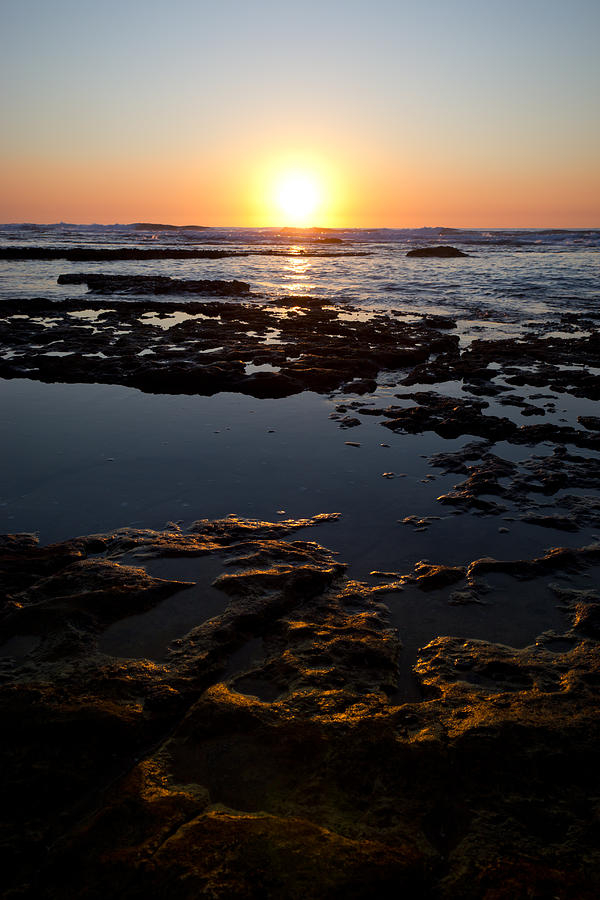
x=298, y=190
x=334, y=190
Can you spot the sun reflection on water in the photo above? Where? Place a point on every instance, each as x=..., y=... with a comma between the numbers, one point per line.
x=297, y=271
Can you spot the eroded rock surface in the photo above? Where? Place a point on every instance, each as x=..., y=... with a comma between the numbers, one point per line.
x=203, y=347
x=269, y=754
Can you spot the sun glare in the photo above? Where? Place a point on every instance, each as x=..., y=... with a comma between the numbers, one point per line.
x=298, y=198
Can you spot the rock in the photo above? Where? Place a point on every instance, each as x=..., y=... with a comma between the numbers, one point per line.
x=590, y=422
x=420, y=523
x=431, y=577
x=104, y=254
x=153, y=284
x=584, y=608
x=349, y=422
x=203, y=346
x=443, y=251
x=360, y=386
x=267, y=384
x=448, y=417
x=269, y=754
x=440, y=322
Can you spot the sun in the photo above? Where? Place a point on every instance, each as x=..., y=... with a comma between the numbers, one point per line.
x=298, y=197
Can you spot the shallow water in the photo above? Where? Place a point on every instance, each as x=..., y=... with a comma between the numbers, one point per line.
x=77, y=459
x=114, y=456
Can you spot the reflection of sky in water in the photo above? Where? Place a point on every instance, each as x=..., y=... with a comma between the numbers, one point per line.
x=113, y=456
x=167, y=320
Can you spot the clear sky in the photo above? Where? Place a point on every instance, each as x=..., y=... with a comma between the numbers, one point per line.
x=454, y=112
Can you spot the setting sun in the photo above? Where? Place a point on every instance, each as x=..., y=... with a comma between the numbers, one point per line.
x=298, y=197
x=297, y=188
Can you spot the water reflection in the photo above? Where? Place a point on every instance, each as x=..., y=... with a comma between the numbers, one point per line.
x=296, y=271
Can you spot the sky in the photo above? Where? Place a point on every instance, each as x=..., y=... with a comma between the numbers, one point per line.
x=462, y=113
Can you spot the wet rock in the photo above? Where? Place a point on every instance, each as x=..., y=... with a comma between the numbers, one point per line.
x=291, y=772
x=203, y=346
x=447, y=416
x=584, y=608
x=527, y=409
x=105, y=254
x=590, y=422
x=360, y=386
x=420, y=523
x=515, y=482
x=440, y=322
x=443, y=251
x=558, y=558
x=349, y=422
x=430, y=577
x=558, y=363
x=267, y=384
x=153, y=284
x=109, y=254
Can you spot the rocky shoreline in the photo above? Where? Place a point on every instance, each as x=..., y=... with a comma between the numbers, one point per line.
x=267, y=753
x=270, y=750
x=203, y=347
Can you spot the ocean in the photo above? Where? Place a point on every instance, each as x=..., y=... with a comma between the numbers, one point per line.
x=508, y=275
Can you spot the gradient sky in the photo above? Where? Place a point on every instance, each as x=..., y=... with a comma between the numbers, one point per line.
x=454, y=112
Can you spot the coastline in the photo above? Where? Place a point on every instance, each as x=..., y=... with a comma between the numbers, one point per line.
x=402, y=695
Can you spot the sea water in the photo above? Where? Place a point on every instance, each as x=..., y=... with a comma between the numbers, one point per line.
x=508, y=274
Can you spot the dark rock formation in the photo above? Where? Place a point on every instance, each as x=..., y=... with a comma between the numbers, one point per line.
x=443, y=252
x=590, y=422
x=451, y=417
x=519, y=483
x=268, y=753
x=153, y=284
x=157, y=226
x=104, y=254
x=203, y=346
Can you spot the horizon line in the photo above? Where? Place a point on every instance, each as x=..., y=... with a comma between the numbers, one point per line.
x=315, y=227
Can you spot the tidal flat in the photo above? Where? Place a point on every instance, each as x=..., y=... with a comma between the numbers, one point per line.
x=300, y=597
